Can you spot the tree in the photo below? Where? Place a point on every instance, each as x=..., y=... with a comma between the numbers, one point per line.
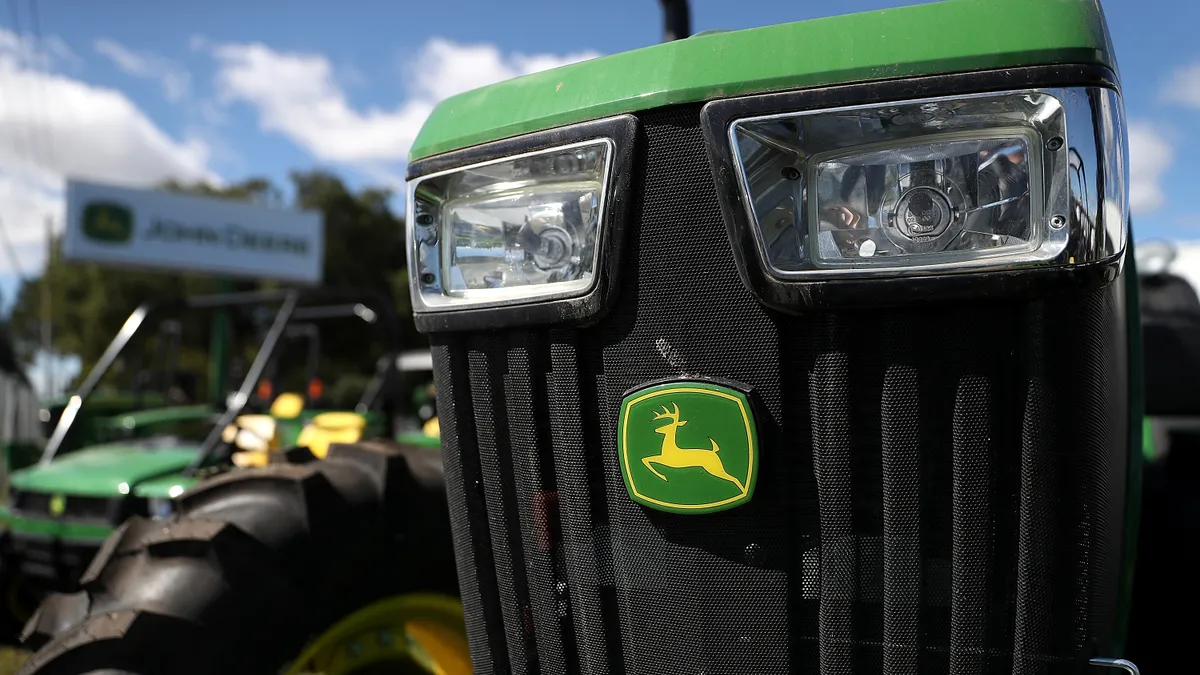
x=364, y=248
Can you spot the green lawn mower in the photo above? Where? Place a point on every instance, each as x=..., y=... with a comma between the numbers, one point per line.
x=160, y=385
x=812, y=348
x=61, y=510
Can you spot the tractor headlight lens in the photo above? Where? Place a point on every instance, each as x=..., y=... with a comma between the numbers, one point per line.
x=988, y=180
x=161, y=508
x=510, y=230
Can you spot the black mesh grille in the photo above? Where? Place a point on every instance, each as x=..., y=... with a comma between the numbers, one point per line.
x=87, y=508
x=940, y=488
x=32, y=502
x=74, y=507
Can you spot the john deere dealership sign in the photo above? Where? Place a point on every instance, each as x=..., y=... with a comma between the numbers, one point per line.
x=148, y=228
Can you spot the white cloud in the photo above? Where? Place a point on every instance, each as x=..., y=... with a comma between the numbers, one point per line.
x=52, y=51
x=53, y=126
x=1183, y=86
x=444, y=68
x=299, y=95
x=1150, y=155
x=198, y=42
x=176, y=82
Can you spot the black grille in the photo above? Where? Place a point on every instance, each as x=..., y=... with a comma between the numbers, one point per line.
x=74, y=507
x=87, y=508
x=940, y=489
x=31, y=502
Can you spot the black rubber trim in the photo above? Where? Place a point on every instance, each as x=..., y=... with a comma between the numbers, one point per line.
x=916, y=287
x=579, y=310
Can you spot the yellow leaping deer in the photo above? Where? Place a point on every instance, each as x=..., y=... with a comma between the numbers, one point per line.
x=680, y=458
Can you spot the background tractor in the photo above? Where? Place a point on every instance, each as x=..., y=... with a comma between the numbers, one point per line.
x=1170, y=505
x=60, y=510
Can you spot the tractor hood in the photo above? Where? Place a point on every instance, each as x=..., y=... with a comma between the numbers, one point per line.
x=100, y=471
x=938, y=37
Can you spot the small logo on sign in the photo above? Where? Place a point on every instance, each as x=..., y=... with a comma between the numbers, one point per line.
x=58, y=504
x=108, y=222
x=688, y=447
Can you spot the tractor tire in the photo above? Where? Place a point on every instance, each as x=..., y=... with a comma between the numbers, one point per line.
x=252, y=564
x=11, y=612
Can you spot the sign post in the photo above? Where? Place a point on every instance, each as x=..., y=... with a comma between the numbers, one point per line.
x=218, y=360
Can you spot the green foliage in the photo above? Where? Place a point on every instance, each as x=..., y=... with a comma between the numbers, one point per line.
x=364, y=250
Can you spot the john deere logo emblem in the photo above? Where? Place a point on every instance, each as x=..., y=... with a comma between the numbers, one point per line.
x=688, y=447
x=58, y=504
x=108, y=222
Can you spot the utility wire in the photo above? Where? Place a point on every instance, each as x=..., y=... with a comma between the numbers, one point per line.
x=42, y=66
x=19, y=132
x=13, y=259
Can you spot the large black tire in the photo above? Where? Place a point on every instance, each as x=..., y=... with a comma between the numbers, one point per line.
x=10, y=590
x=254, y=563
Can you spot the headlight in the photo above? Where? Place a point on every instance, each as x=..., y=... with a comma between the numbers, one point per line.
x=161, y=508
x=957, y=183
x=509, y=230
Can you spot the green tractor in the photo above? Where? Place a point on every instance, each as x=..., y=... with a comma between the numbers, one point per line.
x=811, y=348
x=60, y=511
x=160, y=385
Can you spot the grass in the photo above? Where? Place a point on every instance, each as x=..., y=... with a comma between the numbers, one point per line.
x=11, y=660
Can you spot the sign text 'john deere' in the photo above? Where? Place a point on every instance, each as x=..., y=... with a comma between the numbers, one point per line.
x=151, y=228
x=231, y=237
x=688, y=447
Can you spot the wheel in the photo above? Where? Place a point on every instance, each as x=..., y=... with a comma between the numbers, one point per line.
x=18, y=599
x=258, y=564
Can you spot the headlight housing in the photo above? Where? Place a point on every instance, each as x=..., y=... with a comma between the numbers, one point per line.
x=953, y=183
x=160, y=507
x=512, y=229
x=521, y=230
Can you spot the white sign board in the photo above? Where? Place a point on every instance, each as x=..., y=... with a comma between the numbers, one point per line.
x=150, y=228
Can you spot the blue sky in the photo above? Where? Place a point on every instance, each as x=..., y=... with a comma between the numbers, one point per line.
x=223, y=90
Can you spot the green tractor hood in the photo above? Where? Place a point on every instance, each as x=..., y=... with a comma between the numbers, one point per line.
x=102, y=470
x=939, y=37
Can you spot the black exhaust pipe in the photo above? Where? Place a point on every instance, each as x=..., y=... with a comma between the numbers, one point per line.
x=677, y=19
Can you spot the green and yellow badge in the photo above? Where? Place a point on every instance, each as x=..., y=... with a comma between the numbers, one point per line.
x=688, y=447
x=108, y=222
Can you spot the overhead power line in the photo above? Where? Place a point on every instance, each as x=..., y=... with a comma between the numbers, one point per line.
x=43, y=68
x=20, y=132
x=11, y=251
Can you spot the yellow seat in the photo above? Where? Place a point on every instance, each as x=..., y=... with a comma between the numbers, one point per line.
x=254, y=436
x=245, y=460
x=287, y=406
x=329, y=428
x=255, y=433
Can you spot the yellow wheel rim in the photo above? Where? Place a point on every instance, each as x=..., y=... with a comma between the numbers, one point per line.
x=419, y=633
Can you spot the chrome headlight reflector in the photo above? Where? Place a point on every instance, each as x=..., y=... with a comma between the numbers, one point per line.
x=982, y=181
x=511, y=230
x=160, y=508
